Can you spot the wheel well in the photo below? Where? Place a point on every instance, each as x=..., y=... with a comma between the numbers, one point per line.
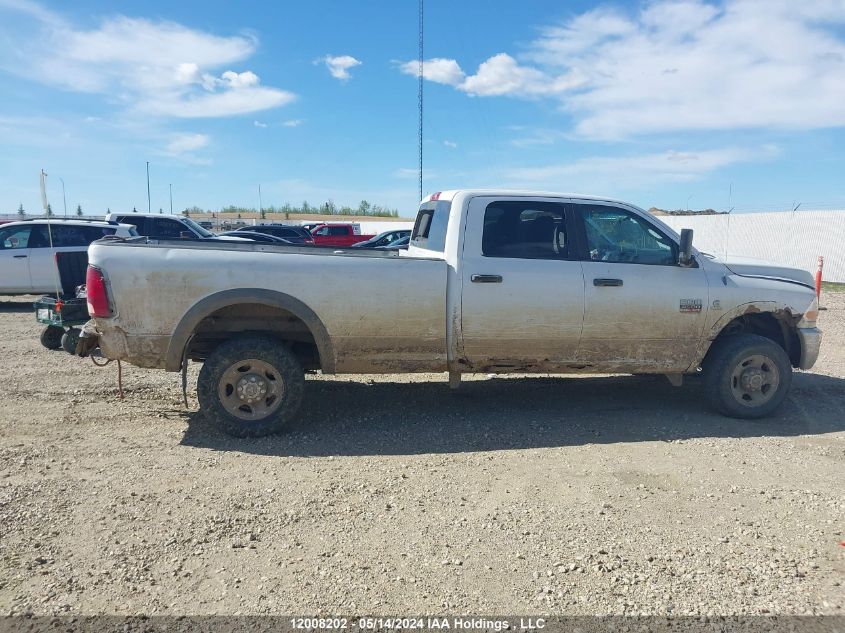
x=255, y=318
x=775, y=326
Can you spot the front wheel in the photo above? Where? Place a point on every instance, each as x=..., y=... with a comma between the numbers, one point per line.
x=747, y=376
x=250, y=386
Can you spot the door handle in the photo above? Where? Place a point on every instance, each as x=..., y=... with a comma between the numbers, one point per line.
x=486, y=279
x=607, y=282
x=19, y=256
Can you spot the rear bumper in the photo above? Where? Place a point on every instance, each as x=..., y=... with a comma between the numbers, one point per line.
x=811, y=340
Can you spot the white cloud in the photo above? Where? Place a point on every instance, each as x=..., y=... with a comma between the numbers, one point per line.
x=499, y=75
x=185, y=143
x=638, y=171
x=259, y=124
x=151, y=66
x=442, y=71
x=339, y=66
x=293, y=123
x=681, y=65
x=451, y=144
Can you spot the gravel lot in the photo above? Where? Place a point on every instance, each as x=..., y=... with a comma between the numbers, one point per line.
x=593, y=495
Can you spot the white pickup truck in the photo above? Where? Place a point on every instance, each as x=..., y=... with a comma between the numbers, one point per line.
x=493, y=281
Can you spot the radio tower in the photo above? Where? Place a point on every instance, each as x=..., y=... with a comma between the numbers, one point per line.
x=420, y=101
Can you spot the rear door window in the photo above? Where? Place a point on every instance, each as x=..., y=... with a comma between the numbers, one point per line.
x=94, y=233
x=68, y=235
x=139, y=223
x=166, y=229
x=525, y=230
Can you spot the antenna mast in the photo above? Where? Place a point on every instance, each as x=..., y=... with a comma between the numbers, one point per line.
x=420, y=101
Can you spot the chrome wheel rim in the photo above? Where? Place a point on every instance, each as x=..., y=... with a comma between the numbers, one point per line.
x=251, y=389
x=755, y=380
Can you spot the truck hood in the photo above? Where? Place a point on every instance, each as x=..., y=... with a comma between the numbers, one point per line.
x=750, y=267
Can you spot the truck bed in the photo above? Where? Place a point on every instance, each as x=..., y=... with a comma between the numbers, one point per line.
x=381, y=311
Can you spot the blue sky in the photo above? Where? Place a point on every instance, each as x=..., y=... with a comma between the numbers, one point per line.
x=671, y=103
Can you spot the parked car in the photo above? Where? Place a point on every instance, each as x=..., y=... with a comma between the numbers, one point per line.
x=28, y=265
x=497, y=282
x=338, y=234
x=256, y=237
x=384, y=239
x=401, y=244
x=293, y=234
x=166, y=227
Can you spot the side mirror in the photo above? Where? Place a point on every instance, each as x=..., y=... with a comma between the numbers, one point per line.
x=685, y=249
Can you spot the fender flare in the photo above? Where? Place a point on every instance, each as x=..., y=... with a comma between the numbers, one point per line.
x=753, y=307
x=212, y=303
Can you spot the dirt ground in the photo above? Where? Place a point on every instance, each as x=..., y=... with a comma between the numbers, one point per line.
x=391, y=496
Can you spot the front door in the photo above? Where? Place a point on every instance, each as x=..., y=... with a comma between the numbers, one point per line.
x=643, y=312
x=522, y=297
x=14, y=259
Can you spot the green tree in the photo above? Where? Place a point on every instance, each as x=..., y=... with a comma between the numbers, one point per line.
x=21, y=212
x=79, y=210
x=263, y=213
x=49, y=210
x=134, y=210
x=364, y=208
x=160, y=211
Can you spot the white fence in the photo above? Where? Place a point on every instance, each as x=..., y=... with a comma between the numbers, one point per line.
x=784, y=237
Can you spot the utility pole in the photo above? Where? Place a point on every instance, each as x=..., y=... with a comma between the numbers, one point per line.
x=420, y=100
x=171, y=198
x=149, y=206
x=64, y=197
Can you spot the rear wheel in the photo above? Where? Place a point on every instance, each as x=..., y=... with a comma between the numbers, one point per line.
x=69, y=340
x=51, y=337
x=747, y=376
x=250, y=386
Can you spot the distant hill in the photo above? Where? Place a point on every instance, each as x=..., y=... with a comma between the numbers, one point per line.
x=656, y=211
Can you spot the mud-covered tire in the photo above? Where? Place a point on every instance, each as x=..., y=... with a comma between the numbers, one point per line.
x=51, y=337
x=70, y=339
x=746, y=376
x=250, y=386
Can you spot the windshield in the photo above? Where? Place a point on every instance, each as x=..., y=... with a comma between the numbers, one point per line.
x=200, y=231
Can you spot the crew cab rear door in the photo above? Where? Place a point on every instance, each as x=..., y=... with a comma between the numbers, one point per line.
x=522, y=297
x=643, y=311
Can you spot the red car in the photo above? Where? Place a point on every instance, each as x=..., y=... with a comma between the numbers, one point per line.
x=338, y=234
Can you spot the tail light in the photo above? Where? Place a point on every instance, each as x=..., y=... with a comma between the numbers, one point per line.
x=98, y=296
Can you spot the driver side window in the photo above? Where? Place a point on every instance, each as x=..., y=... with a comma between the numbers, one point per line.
x=619, y=236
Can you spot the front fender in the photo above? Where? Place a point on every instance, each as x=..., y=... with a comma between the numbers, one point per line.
x=781, y=311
